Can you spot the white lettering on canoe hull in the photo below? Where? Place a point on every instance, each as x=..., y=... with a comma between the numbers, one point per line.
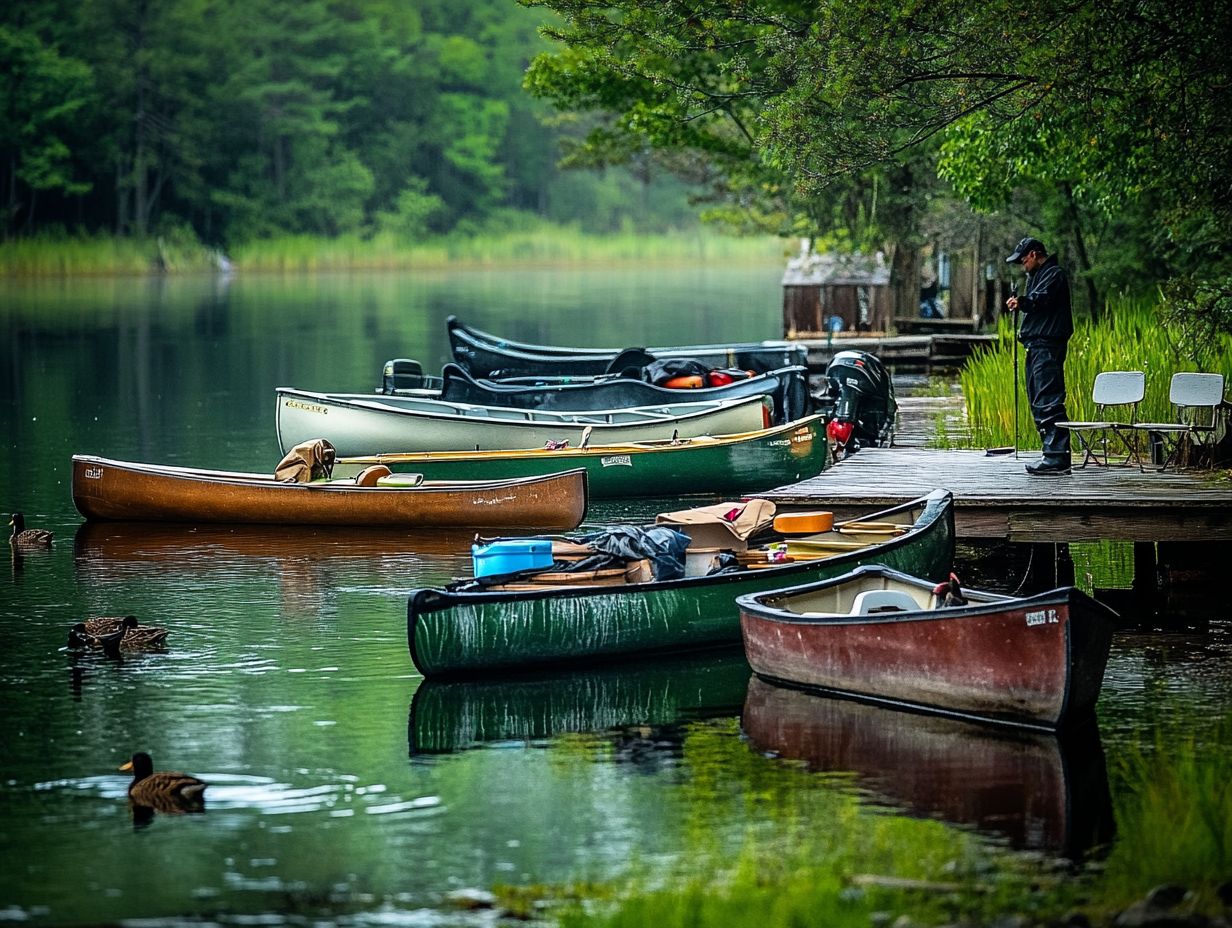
x=1042, y=617
x=494, y=501
x=93, y=473
x=617, y=460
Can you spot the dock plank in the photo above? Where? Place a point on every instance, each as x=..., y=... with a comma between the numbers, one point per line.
x=994, y=497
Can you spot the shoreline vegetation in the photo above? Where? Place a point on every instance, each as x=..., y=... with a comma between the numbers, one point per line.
x=1133, y=335
x=67, y=255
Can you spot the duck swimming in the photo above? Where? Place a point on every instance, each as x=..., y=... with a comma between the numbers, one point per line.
x=165, y=791
x=22, y=537
x=129, y=635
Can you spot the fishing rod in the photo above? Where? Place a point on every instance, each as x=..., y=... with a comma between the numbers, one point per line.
x=1014, y=295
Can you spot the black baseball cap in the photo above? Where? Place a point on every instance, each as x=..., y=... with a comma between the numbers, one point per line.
x=1026, y=246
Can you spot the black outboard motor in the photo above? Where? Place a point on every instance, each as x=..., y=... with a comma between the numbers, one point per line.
x=402, y=375
x=864, y=404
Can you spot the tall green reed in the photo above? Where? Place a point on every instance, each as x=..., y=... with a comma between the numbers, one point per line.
x=540, y=245
x=68, y=255
x=86, y=255
x=1174, y=820
x=1129, y=337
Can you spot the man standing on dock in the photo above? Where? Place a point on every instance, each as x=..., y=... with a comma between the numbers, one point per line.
x=1047, y=324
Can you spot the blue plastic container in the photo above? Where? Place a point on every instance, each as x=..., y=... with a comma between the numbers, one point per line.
x=503, y=557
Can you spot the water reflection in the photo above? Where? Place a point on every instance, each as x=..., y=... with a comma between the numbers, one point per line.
x=308, y=560
x=1036, y=790
x=643, y=707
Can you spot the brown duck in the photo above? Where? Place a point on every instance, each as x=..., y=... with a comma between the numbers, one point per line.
x=164, y=791
x=27, y=538
x=116, y=635
x=104, y=624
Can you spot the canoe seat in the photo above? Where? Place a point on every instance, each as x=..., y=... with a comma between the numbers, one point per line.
x=872, y=601
x=369, y=476
x=400, y=480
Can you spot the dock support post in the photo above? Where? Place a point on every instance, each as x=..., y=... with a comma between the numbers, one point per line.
x=1050, y=567
x=1145, y=584
x=1192, y=585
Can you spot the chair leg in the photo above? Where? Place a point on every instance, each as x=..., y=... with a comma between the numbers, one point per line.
x=1128, y=439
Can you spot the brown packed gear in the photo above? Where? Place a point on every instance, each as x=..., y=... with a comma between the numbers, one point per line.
x=307, y=461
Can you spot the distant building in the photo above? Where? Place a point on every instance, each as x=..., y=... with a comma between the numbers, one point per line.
x=936, y=291
x=836, y=293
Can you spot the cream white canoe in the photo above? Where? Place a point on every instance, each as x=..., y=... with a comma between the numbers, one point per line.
x=361, y=424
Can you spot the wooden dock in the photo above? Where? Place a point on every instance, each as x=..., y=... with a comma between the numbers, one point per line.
x=949, y=349
x=995, y=498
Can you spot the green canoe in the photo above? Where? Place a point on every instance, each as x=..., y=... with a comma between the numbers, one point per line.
x=748, y=462
x=487, y=631
x=454, y=715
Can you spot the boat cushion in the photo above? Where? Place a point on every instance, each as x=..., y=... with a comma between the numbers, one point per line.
x=369, y=476
x=400, y=480
x=803, y=523
x=871, y=601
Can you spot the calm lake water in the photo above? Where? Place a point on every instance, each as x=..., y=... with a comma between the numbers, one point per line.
x=343, y=787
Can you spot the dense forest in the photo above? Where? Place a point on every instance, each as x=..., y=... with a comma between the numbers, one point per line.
x=238, y=119
x=1105, y=129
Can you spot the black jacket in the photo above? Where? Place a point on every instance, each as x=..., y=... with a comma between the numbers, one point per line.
x=1045, y=307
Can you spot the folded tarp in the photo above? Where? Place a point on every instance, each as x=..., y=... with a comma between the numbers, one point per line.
x=663, y=547
x=723, y=525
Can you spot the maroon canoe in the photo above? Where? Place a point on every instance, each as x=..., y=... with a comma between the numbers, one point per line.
x=874, y=633
x=1038, y=790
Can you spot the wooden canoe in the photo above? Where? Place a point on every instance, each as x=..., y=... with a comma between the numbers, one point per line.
x=485, y=355
x=361, y=423
x=740, y=464
x=1037, y=790
x=122, y=490
x=461, y=631
x=1035, y=661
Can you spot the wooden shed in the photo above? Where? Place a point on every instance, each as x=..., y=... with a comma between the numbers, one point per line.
x=836, y=293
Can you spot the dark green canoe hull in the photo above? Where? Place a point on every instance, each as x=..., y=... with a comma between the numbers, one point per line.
x=494, y=632
x=767, y=459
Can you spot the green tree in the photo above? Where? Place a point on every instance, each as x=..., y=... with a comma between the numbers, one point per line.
x=41, y=92
x=1098, y=110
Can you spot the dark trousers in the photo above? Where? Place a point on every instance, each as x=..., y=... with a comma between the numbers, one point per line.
x=1046, y=394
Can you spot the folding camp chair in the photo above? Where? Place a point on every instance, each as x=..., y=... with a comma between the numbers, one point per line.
x=1123, y=389
x=1197, y=399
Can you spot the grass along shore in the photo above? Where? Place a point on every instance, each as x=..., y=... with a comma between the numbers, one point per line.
x=82, y=255
x=1131, y=337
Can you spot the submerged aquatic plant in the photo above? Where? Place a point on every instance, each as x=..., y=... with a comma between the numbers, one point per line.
x=1174, y=820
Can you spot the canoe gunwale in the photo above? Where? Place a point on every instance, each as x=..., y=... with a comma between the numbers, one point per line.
x=592, y=450
x=550, y=352
x=636, y=415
